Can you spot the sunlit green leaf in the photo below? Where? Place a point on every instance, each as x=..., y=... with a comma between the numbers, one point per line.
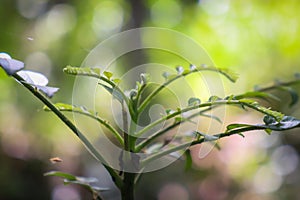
x=108, y=74
x=61, y=175
x=116, y=80
x=95, y=72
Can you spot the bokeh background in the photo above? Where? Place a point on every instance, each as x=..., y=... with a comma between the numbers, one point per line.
x=257, y=39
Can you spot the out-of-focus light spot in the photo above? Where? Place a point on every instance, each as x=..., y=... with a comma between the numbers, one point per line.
x=284, y=160
x=269, y=141
x=39, y=61
x=166, y=13
x=58, y=21
x=108, y=18
x=215, y=7
x=31, y=8
x=14, y=141
x=213, y=187
x=30, y=38
x=265, y=181
x=63, y=192
x=173, y=191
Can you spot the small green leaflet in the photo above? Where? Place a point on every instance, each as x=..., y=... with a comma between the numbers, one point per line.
x=95, y=72
x=82, y=181
x=194, y=101
x=108, y=74
x=254, y=105
x=214, y=98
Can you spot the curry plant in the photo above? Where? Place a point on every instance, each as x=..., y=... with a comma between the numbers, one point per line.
x=134, y=102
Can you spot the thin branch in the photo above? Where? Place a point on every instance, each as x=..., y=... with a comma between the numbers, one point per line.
x=172, y=115
x=161, y=87
x=185, y=145
x=66, y=121
x=148, y=140
x=97, y=118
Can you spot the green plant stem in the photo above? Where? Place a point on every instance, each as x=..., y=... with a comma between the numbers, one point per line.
x=98, y=76
x=242, y=102
x=100, y=120
x=127, y=191
x=185, y=145
x=150, y=139
x=161, y=87
x=167, y=117
x=117, y=180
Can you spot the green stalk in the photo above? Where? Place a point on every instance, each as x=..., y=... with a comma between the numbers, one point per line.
x=160, y=154
x=117, y=180
x=155, y=92
x=150, y=139
x=220, y=102
x=100, y=120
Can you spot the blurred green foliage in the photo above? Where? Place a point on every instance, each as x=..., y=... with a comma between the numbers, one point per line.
x=257, y=39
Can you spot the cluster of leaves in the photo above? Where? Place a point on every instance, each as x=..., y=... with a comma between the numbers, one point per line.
x=136, y=101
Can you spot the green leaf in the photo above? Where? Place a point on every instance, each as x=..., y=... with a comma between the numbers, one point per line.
x=194, y=101
x=169, y=111
x=268, y=131
x=236, y=126
x=108, y=74
x=116, y=80
x=214, y=98
x=82, y=181
x=61, y=175
x=95, y=72
x=254, y=105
